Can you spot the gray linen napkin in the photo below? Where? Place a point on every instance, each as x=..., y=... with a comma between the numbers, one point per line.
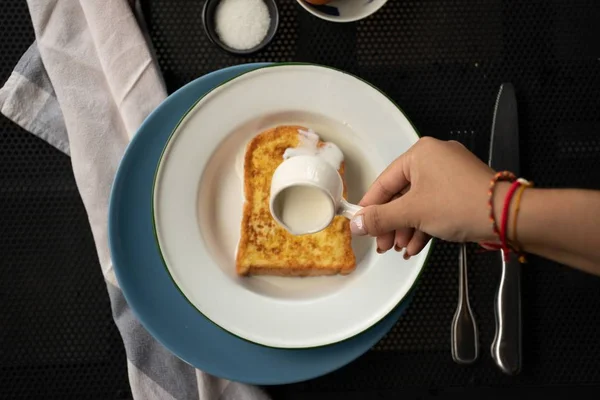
x=84, y=87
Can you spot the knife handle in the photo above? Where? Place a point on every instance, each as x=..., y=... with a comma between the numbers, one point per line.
x=506, y=347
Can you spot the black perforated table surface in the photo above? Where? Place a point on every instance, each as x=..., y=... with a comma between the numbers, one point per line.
x=443, y=62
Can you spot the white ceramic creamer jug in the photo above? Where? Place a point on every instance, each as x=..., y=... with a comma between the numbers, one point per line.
x=306, y=194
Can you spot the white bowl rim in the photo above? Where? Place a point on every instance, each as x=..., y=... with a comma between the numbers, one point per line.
x=339, y=19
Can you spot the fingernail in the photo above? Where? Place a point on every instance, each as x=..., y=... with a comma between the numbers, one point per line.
x=357, y=225
x=406, y=256
x=397, y=248
x=379, y=251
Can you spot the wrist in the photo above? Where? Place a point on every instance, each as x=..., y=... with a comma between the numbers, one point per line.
x=484, y=230
x=512, y=226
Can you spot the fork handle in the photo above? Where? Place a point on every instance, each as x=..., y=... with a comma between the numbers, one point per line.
x=464, y=340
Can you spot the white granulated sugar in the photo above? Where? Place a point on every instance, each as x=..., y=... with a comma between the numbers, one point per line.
x=242, y=24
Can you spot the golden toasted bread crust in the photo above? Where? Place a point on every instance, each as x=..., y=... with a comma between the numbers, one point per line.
x=265, y=248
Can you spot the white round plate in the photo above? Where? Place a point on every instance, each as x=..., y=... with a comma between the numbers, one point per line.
x=198, y=205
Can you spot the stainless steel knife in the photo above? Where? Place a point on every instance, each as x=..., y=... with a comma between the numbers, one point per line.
x=504, y=155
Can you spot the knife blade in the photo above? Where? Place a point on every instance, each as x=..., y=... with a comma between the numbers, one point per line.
x=504, y=155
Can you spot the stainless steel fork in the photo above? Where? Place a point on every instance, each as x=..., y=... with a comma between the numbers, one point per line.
x=465, y=346
x=464, y=334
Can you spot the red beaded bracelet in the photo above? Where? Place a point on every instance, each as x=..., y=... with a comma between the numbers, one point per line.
x=516, y=188
x=505, y=215
x=500, y=176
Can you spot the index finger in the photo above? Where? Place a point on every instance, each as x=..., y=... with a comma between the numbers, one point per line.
x=389, y=183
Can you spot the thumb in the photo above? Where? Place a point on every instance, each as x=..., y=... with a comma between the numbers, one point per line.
x=380, y=219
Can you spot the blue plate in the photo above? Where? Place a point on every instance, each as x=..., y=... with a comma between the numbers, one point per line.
x=157, y=302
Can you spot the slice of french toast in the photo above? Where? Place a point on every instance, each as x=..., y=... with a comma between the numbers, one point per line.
x=265, y=248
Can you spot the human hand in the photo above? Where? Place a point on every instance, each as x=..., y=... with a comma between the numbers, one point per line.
x=437, y=188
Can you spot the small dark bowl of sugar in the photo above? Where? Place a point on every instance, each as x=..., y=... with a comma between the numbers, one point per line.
x=240, y=26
